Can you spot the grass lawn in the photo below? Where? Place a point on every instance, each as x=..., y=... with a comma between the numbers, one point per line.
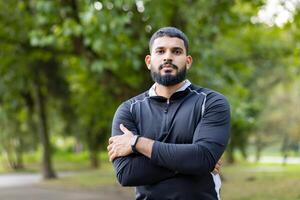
x=62, y=161
x=261, y=182
x=243, y=181
x=86, y=179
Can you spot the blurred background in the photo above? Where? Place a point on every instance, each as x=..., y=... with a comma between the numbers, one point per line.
x=66, y=65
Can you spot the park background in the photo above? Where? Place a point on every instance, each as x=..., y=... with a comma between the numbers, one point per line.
x=66, y=65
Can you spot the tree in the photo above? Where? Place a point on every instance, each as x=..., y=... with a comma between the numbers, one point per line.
x=33, y=75
x=83, y=58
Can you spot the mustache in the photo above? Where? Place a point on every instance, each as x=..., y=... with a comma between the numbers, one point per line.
x=167, y=63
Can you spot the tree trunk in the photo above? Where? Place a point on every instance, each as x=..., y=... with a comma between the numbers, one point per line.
x=284, y=149
x=230, y=154
x=19, y=155
x=259, y=147
x=47, y=169
x=92, y=146
x=10, y=159
x=94, y=159
x=14, y=150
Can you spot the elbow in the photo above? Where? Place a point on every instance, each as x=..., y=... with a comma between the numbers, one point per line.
x=209, y=158
x=203, y=169
x=125, y=180
x=205, y=164
x=210, y=163
x=125, y=173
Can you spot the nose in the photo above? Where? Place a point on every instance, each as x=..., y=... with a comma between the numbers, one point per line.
x=168, y=57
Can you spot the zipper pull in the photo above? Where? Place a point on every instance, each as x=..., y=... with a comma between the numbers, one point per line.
x=166, y=109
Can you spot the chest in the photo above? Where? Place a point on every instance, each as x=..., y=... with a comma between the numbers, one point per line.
x=173, y=122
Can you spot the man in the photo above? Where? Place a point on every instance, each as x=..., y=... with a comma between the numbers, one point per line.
x=167, y=140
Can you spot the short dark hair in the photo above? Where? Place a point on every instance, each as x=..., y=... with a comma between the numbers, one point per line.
x=170, y=32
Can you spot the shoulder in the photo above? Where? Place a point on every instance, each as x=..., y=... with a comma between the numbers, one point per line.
x=128, y=104
x=141, y=97
x=211, y=97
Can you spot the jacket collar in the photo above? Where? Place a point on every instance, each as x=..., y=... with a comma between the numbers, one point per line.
x=152, y=92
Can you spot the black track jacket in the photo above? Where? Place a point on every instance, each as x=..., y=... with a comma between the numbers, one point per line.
x=191, y=131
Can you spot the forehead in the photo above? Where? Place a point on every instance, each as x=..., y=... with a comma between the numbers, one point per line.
x=168, y=42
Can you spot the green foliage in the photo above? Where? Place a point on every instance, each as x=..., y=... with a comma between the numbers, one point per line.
x=87, y=57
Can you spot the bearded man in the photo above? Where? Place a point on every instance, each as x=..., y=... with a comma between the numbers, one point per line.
x=167, y=141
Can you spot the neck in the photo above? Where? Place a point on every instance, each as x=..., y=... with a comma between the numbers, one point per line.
x=167, y=91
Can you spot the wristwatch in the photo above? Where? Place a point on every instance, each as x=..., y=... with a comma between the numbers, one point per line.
x=133, y=142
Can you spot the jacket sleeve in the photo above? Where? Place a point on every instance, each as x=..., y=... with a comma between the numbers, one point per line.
x=209, y=141
x=135, y=169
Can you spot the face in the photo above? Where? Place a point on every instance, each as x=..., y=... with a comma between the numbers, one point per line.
x=168, y=61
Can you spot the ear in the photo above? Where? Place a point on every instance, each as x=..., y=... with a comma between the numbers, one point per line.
x=189, y=61
x=148, y=61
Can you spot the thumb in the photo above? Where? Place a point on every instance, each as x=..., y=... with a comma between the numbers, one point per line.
x=123, y=128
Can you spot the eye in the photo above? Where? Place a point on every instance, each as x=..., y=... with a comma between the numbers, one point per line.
x=160, y=51
x=177, y=52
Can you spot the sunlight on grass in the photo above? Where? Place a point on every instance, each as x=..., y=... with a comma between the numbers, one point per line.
x=86, y=179
x=242, y=181
x=261, y=182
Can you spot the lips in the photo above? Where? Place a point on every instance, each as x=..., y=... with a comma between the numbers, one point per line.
x=168, y=66
x=167, y=69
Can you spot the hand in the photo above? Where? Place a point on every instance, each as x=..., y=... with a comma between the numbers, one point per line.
x=120, y=145
x=217, y=169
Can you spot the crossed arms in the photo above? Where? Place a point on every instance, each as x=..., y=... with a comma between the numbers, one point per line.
x=158, y=161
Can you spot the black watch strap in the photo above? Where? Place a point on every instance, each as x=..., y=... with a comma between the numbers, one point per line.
x=134, y=142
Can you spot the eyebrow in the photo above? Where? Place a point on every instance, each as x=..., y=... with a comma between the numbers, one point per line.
x=173, y=48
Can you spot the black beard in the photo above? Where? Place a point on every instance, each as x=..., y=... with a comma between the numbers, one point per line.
x=169, y=79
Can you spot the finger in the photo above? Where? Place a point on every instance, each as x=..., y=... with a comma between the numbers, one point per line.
x=111, y=150
x=110, y=140
x=112, y=157
x=218, y=166
x=123, y=128
x=110, y=154
x=215, y=172
x=109, y=147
